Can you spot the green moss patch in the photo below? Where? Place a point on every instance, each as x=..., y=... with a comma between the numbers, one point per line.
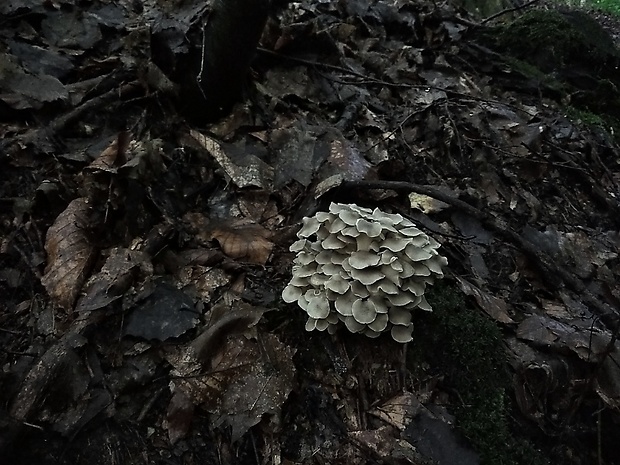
x=553, y=40
x=466, y=347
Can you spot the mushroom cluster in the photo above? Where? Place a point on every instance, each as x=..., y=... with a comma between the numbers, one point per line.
x=363, y=268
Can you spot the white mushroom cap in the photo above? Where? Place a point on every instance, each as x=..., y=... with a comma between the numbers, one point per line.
x=363, y=259
x=331, y=269
x=323, y=217
x=367, y=276
x=370, y=333
x=391, y=218
x=417, y=254
x=333, y=242
x=379, y=304
x=398, y=316
x=395, y=244
x=369, y=228
x=298, y=281
x=291, y=293
x=392, y=273
x=387, y=224
x=384, y=286
x=311, y=324
x=337, y=284
x=348, y=217
x=424, y=305
x=310, y=227
x=300, y=245
x=324, y=257
x=344, y=304
x=337, y=226
x=388, y=257
x=415, y=287
x=364, y=243
x=435, y=264
x=305, y=258
x=420, y=241
x=305, y=271
x=364, y=311
x=318, y=306
x=380, y=323
x=402, y=334
x=420, y=270
x=302, y=302
x=322, y=325
x=351, y=231
x=362, y=211
x=411, y=231
x=353, y=325
x=337, y=258
x=318, y=279
x=323, y=233
x=402, y=299
x=407, y=271
x=332, y=319
x=405, y=222
x=359, y=289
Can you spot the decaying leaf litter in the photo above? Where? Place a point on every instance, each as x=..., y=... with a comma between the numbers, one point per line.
x=144, y=256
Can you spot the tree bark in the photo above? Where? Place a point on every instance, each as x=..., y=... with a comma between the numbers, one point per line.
x=218, y=68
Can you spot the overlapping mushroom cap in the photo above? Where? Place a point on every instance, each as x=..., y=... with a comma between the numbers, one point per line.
x=364, y=269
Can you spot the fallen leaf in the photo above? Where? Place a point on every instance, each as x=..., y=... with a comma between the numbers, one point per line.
x=243, y=240
x=178, y=416
x=495, y=307
x=70, y=254
x=236, y=378
x=399, y=410
x=245, y=169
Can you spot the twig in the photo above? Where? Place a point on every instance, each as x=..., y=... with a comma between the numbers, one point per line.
x=400, y=126
x=58, y=124
x=555, y=274
x=508, y=10
x=367, y=79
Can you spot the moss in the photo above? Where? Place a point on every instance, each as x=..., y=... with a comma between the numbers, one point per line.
x=607, y=123
x=532, y=73
x=553, y=40
x=568, y=57
x=586, y=117
x=467, y=348
x=610, y=6
x=483, y=8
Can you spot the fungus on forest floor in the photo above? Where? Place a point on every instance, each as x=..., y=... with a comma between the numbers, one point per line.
x=364, y=269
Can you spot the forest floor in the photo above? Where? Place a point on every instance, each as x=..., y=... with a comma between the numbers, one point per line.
x=143, y=255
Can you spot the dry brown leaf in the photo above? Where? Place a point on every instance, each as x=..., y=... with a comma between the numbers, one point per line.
x=243, y=168
x=70, y=254
x=241, y=241
x=607, y=383
x=178, y=416
x=585, y=340
x=236, y=378
x=113, y=156
x=398, y=411
x=493, y=306
x=263, y=374
x=381, y=440
x=114, y=279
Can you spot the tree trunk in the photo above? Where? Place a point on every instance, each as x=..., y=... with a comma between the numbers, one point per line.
x=218, y=68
